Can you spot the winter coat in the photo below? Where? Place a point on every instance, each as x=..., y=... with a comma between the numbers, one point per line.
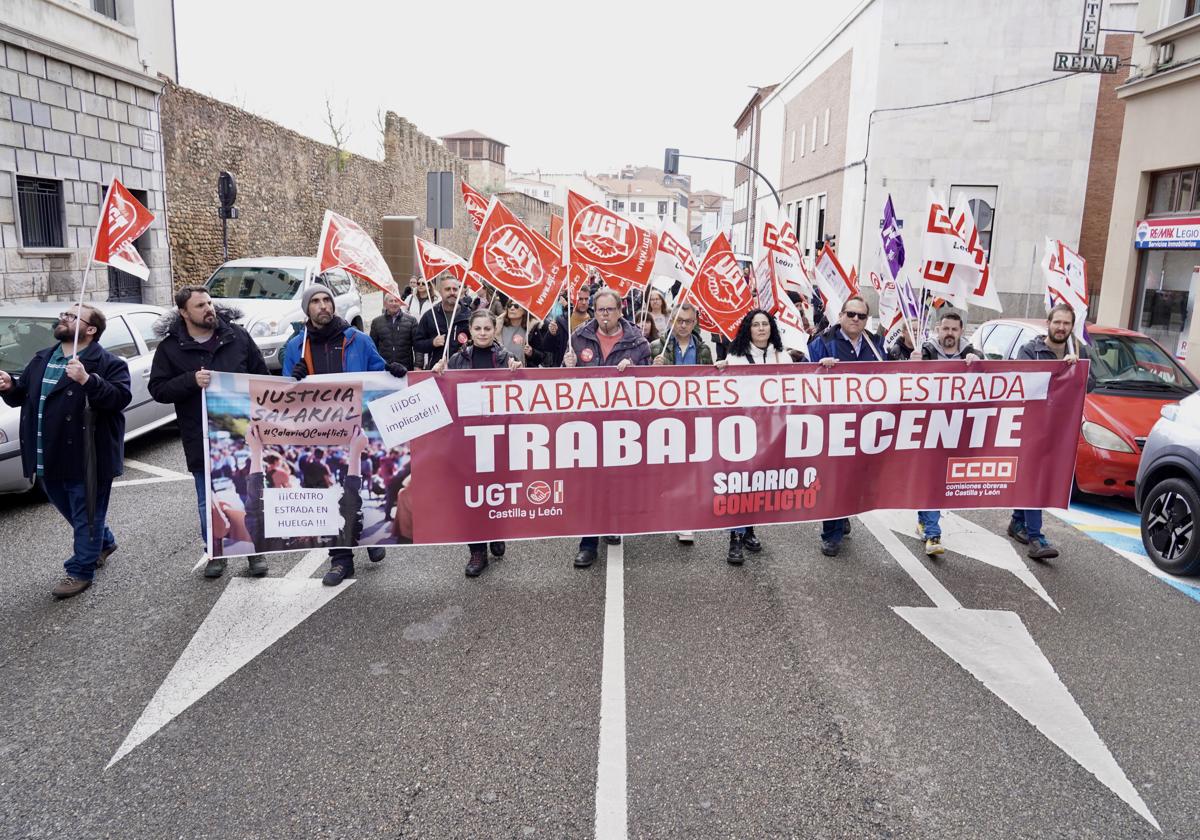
x=703, y=351
x=552, y=347
x=355, y=353
x=631, y=345
x=754, y=356
x=178, y=357
x=1036, y=349
x=66, y=412
x=462, y=359
x=931, y=351
x=832, y=343
x=394, y=337
x=432, y=324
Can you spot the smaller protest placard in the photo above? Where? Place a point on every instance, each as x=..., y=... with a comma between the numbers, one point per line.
x=302, y=511
x=313, y=410
x=410, y=413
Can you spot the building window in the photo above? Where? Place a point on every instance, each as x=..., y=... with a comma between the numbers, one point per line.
x=982, y=201
x=108, y=8
x=662, y=208
x=1177, y=191
x=825, y=133
x=637, y=207
x=40, y=206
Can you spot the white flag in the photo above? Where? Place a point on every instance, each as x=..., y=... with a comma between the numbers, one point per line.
x=1066, y=282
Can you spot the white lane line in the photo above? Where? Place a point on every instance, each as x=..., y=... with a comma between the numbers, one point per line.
x=157, y=480
x=162, y=472
x=877, y=523
x=612, y=814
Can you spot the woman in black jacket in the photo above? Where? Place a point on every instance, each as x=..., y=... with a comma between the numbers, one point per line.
x=483, y=353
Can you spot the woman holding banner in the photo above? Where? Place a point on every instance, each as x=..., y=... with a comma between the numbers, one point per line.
x=484, y=352
x=757, y=342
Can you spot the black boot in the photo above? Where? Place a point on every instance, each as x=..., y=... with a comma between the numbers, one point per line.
x=751, y=542
x=497, y=549
x=477, y=563
x=735, y=556
x=258, y=565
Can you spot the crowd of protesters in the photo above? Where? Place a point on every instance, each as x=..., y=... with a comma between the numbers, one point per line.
x=432, y=326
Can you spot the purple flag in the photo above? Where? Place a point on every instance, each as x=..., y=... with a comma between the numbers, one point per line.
x=893, y=244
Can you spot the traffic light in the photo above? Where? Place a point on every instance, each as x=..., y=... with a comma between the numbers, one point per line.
x=671, y=162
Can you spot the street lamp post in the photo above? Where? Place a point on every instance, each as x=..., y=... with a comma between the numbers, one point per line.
x=671, y=167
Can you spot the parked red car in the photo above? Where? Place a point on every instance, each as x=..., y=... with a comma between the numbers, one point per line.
x=1131, y=378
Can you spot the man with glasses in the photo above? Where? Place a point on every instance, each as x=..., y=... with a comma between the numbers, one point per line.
x=72, y=397
x=608, y=340
x=845, y=341
x=685, y=347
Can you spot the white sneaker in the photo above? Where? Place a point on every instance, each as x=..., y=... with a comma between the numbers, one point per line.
x=686, y=537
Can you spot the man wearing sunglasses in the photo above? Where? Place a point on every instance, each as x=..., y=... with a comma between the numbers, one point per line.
x=72, y=397
x=845, y=341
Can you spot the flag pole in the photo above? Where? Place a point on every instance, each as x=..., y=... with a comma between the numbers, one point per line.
x=429, y=297
x=79, y=309
x=450, y=322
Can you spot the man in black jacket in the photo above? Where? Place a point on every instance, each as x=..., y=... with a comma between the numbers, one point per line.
x=393, y=333
x=196, y=340
x=431, y=330
x=72, y=398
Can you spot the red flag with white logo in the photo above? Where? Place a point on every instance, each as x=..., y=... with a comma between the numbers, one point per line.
x=434, y=259
x=122, y=220
x=517, y=261
x=719, y=288
x=476, y=203
x=344, y=244
x=622, y=251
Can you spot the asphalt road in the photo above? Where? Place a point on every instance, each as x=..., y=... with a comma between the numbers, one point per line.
x=785, y=698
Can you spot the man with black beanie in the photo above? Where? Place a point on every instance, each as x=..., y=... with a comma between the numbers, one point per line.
x=327, y=344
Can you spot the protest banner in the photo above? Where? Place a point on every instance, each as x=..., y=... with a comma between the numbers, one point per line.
x=547, y=453
x=301, y=464
x=513, y=259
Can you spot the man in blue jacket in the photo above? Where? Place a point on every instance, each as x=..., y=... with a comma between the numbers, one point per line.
x=327, y=344
x=73, y=434
x=845, y=341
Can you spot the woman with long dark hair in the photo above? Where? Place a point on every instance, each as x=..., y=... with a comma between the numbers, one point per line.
x=482, y=353
x=757, y=342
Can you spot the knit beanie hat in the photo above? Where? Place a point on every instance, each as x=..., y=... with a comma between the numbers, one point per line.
x=307, y=295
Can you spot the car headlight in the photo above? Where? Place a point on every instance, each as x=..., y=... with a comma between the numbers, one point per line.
x=1102, y=437
x=265, y=329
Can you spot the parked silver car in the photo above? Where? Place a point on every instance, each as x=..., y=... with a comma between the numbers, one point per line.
x=1168, y=488
x=26, y=328
x=267, y=291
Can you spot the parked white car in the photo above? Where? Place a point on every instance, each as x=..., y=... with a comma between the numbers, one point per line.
x=267, y=291
x=26, y=328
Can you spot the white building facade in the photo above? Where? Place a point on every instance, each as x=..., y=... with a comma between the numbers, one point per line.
x=847, y=127
x=79, y=94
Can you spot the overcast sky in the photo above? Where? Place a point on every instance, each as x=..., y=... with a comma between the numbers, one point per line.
x=569, y=87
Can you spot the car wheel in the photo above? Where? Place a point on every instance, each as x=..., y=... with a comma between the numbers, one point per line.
x=1168, y=526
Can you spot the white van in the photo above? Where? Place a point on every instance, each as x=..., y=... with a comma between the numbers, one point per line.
x=267, y=291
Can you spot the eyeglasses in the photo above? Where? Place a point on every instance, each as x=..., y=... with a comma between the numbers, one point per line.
x=605, y=309
x=860, y=316
x=514, y=306
x=71, y=316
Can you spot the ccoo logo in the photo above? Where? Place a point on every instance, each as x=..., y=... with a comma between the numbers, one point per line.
x=971, y=470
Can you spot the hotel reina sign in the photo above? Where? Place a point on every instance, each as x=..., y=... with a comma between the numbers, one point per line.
x=1086, y=60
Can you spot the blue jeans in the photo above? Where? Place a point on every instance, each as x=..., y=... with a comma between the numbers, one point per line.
x=1031, y=521
x=70, y=498
x=202, y=504
x=930, y=520
x=832, y=530
x=741, y=532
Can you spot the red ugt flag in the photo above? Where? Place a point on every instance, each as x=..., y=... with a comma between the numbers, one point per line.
x=476, y=204
x=624, y=252
x=516, y=261
x=434, y=259
x=122, y=220
x=719, y=288
x=344, y=244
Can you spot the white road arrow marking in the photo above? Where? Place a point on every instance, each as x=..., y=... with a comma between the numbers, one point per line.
x=612, y=812
x=160, y=474
x=995, y=647
x=970, y=539
x=249, y=617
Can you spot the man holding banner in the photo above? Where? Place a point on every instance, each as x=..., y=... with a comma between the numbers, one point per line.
x=196, y=340
x=607, y=340
x=327, y=344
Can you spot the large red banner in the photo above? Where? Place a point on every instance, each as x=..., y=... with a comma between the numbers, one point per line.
x=549, y=453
